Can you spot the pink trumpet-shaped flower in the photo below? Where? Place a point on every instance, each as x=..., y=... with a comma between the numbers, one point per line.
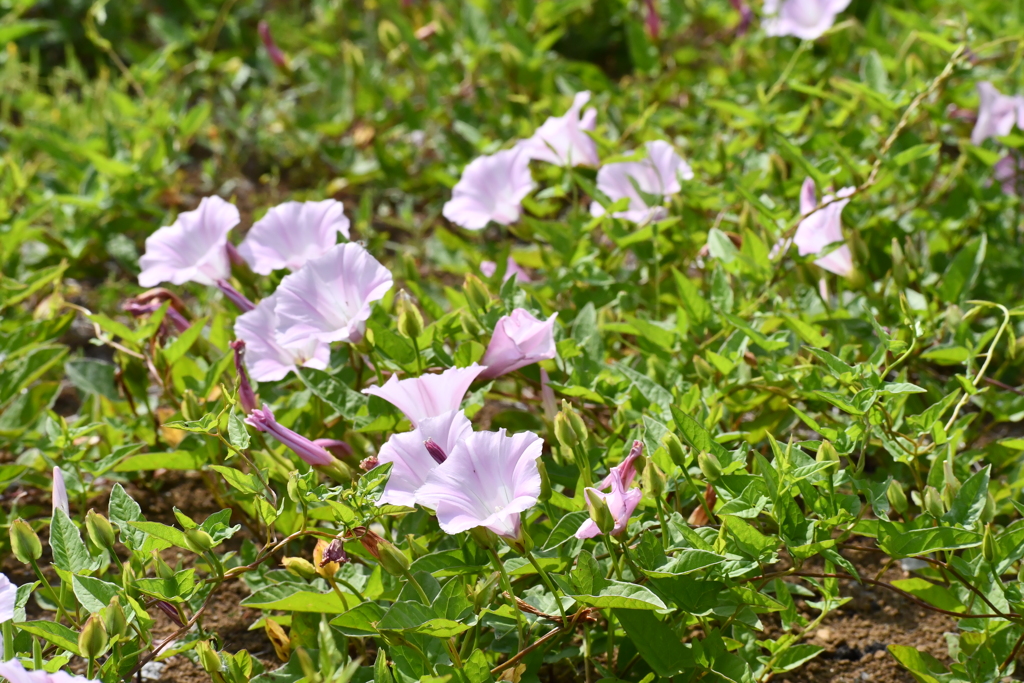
x=997, y=113
x=193, y=248
x=264, y=421
x=412, y=459
x=427, y=395
x=519, y=340
x=823, y=228
x=562, y=141
x=329, y=298
x=489, y=268
x=292, y=233
x=15, y=672
x=621, y=500
x=266, y=359
x=805, y=19
x=8, y=596
x=488, y=480
x=656, y=176
x=60, y=492
x=273, y=51
x=492, y=188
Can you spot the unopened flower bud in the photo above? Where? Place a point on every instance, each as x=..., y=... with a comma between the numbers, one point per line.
x=899, y=265
x=988, y=513
x=654, y=480
x=335, y=552
x=113, y=618
x=100, y=531
x=435, y=451
x=92, y=640
x=599, y=511
x=171, y=611
x=564, y=432
x=25, y=542
x=208, y=657
x=710, y=466
x=933, y=501
x=579, y=427
x=198, y=540
x=703, y=368
x=300, y=567
x=476, y=293
x=190, y=408
x=826, y=452
x=246, y=394
x=392, y=560
x=989, y=548
x=410, y=322
x=897, y=498
x=484, y=537
x=545, y=482
x=674, y=446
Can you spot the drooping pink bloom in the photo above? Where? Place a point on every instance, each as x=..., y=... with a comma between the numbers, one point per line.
x=519, y=340
x=273, y=51
x=413, y=461
x=267, y=360
x=427, y=395
x=823, y=228
x=193, y=248
x=489, y=268
x=491, y=188
x=8, y=595
x=246, y=395
x=264, y=421
x=657, y=176
x=488, y=480
x=997, y=113
x=60, y=492
x=621, y=500
x=805, y=19
x=329, y=298
x=292, y=233
x=562, y=140
x=15, y=672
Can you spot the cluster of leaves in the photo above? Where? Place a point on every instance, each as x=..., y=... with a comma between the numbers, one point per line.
x=816, y=413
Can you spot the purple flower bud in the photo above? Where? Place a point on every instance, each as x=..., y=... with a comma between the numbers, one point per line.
x=273, y=50
x=264, y=421
x=653, y=20
x=171, y=611
x=245, y=393
x=236, y=297
x=746, y=15
x=339, y=449
x=234, y=256
x=335, y=552
x=435, y=451
x=150, y=301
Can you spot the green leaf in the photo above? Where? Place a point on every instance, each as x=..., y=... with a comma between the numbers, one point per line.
x=656, y=642
x=177, y=588
x=932, y=593
x=238, y=435
x=294, y=598
x=836, y=366
x=204, y=425
x=696, y=436
x=167, y=533
x=755, y=336
x=900, y=543
x=617, y=595
x=795, y=656
x=180, y=346
x=969, y=502
x=897, y=388
x=69, y=551
x=52, y=632
x=684, y=562
x=926, y=669
x=175, y=460
x=93, y=377
x=334, y=392
x=963, y=270
x=915, y=153
x=396, y=347
x=948, y=355
x=123, y=510
x=697, y=308
x=565, y=529
x=94, y=594
x=244, y=482
x=648, y=388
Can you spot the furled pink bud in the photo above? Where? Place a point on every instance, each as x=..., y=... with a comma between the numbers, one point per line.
x=245, y=393
x=435, y=451
x=653, y=21
x=263, y=420
x=273, y=51
x=236, y=297
x=171, y=611
x=338, y=449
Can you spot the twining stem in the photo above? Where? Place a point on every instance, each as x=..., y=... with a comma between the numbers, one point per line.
x=547, y=582
x=661, y=521
x=53, y=595
x=507, y=585
x=988, y=359
x=698, y=494
x=777, y=86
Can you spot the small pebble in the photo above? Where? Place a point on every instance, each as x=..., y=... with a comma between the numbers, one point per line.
x=152, y=671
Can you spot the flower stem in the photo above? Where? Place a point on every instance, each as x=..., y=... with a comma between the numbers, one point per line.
x=507, y=584
x=547, y=582
x=8, y=629
x=418, y=587
x=53, y=596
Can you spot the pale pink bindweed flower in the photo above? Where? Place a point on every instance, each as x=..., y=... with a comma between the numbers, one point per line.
x=519, y=340
x=823, y=228
x=1009, y=172
x=411, y=458
x=430, y=395
x=193, y=248
x=621, y=500
x=492, y=188
x=8, y=596
x=273, y=51
x=562, y=140
x=329, y=298
x=489, y=268
x=60, y=493
x=293, y=233
x=263, y=420
x=487, y=480
x=15, y=672
x=997, y=113
x=805, y=19
x=267, y=360
x=657, y=176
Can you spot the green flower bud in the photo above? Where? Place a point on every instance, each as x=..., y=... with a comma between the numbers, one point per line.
x=599, y=511
x=826, y=452
x=952, y=486
x=300, y=567
x=545, y=482
x=564, y=432
x=163, y=570
x=484, y=537
x=92, y=641
x=897, y=498
x=410, y=322
x=988, y=513
x=675, y=449
x=25, y=542
x=476, y=293
x=654, y=480
x=933, y=501
x=208, y=657
x=710, y=466
x=704, y=368
x=113, y=618
x=100, y=531
x=899, y=265
x=393, y=560
x=575, y=421
x=190, y=408
x=198, y=540
x=989, y=547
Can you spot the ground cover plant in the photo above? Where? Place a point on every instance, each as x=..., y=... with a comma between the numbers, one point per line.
x=526, y=341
